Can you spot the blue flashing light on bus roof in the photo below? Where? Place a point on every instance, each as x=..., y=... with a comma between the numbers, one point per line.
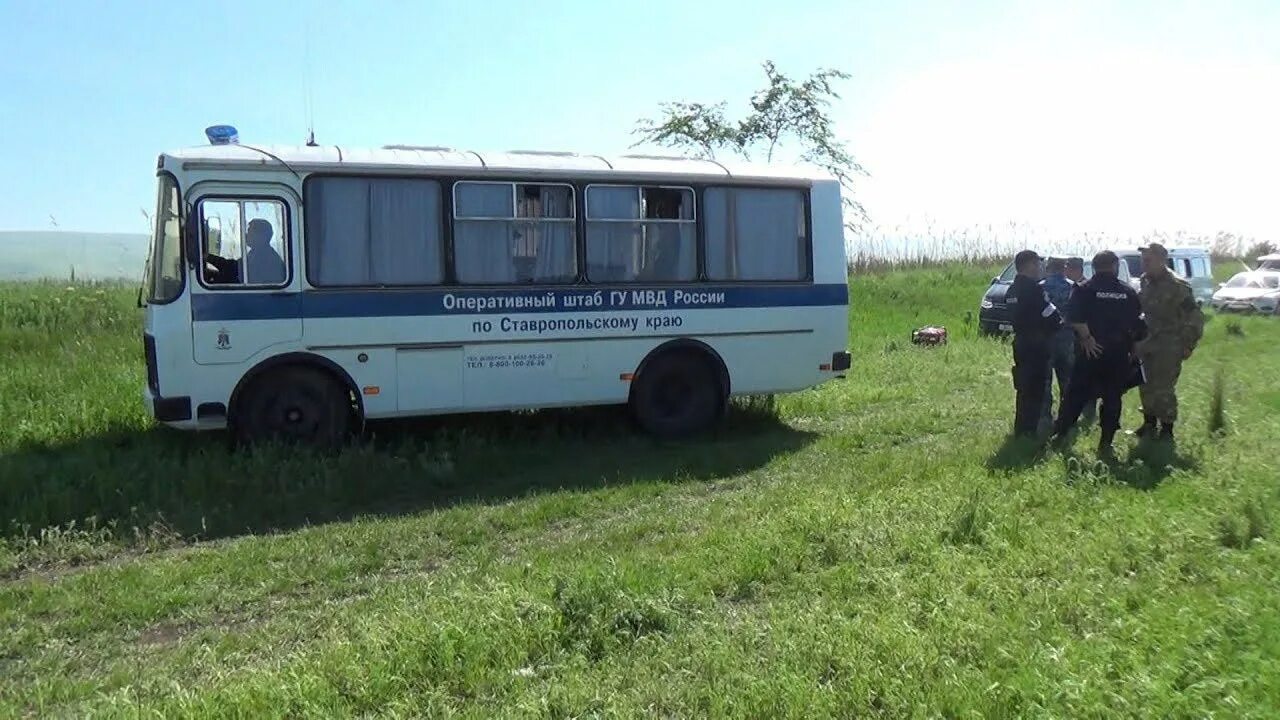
x=222, y=135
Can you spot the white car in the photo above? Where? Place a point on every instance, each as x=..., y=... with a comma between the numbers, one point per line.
x=1254, y=291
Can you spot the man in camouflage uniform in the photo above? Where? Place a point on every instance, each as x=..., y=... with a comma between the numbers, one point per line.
x=1175, y=324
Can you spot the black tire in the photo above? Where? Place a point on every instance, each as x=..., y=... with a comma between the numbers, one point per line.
x=299, y=405
x=678, y=394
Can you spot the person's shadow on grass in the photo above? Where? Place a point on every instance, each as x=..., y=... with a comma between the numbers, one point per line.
x=1144, y=467
x=1150, y=463
x=1017, y=452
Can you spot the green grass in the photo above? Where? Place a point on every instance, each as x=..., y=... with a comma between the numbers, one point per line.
x=874, y=547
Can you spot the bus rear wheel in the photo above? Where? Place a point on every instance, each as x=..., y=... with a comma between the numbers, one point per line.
x=298, y=405
x=677, y=395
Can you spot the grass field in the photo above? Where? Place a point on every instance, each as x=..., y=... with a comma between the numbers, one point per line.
x=874, y=547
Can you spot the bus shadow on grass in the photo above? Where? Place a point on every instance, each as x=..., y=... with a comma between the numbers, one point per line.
x=195, y=486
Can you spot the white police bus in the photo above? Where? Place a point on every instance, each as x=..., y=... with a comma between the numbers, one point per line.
x=295, y=292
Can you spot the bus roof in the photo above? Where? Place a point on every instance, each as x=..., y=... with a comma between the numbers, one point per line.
x=1128, y=252
x=401, y=158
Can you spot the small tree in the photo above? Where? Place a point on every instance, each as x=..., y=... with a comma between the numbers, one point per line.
x=783, y=113
x=1259, y=249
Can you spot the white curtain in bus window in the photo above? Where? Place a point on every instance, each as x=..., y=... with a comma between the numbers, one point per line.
x=482, y=232
x=522, y=233
x=613, y=233
x=374, y=232
x=640, y=234
x=555, y=252
x=755, y=234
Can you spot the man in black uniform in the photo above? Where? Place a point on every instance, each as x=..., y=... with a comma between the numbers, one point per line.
x=1035, y=320
x=1107, y=318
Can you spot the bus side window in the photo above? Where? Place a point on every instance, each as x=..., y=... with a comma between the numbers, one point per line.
x=641, y=234
x=244, y=243
x=522, y=233
x=755, y=234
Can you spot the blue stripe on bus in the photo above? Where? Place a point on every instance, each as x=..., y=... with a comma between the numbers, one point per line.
x=237, y=305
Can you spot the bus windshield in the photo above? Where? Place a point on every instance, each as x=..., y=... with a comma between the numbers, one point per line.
x=1135, y=265
x=162, y=281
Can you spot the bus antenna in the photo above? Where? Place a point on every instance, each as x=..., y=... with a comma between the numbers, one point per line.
x=309, y=102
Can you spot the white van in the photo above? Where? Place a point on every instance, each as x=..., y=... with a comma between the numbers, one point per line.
x=1190, y=264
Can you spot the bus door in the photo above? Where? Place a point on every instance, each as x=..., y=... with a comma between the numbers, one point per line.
x=245, y=291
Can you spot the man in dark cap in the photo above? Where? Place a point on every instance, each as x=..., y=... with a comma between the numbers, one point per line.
x=1107, y=318
x=1035, y=321
x=1176, y=324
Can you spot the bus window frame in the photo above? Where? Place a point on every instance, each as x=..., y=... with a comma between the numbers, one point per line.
x=698, y=274
x=448, y=180
x=199, y=230
x=574, y=221
x=806, y=193
x=182, y=250
x=446, y=233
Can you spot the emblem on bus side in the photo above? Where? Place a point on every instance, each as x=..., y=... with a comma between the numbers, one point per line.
x=224, y=339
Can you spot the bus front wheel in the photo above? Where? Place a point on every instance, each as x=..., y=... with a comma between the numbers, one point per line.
x=677, y=395
x=294, y=405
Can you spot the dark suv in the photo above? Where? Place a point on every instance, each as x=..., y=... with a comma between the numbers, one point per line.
x=993, y=313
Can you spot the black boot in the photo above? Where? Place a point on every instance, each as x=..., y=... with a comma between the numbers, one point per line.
x=1061, y=435
x=1148, y=428
x=1166, y=431
x=1106, y=450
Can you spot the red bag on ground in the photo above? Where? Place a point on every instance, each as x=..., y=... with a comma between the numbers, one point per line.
x=929, y=335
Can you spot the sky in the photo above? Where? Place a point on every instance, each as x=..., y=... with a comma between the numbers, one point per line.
x=1082, y=116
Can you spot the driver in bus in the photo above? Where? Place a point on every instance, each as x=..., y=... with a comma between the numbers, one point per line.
x=264, y=264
